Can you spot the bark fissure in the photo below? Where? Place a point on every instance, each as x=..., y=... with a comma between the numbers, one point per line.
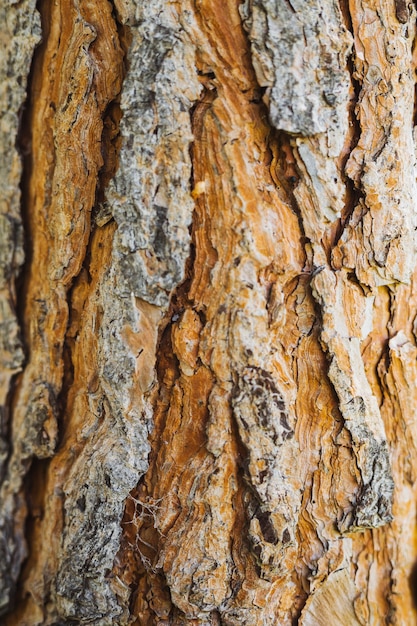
x=66, y=263
x=309, y=154
x=24, y=25
x=23, y=148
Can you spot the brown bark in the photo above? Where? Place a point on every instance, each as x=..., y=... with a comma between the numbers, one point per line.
x=213, y=421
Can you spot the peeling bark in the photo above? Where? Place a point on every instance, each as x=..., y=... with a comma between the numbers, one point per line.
x=208, y=342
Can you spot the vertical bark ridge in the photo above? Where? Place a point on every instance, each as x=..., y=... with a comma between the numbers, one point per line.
x=20, y=35
x=68, y=100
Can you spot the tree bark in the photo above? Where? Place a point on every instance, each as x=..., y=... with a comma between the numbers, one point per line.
x=208, y=376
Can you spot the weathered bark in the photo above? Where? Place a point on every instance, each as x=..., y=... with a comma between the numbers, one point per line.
x=209, y=411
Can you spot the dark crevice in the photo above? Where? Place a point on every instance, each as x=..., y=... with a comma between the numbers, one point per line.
x=415, y=85
x=110, y=149
x=285, y=173
x=353, y=193
x=111, y=140
x=347, y=18
x=136, y=528
x=413, y=584
x=35, y=479
x=392, y=310
x=24, y=148
x=401, y=11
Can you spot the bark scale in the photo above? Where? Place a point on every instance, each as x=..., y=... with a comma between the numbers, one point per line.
x=208, y=414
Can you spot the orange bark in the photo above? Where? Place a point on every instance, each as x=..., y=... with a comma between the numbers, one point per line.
x=215, y=421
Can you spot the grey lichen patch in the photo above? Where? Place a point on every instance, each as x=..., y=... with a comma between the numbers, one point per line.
x=12, y=551
x=21, y=32
x=299, y=52
x=39, y=435
x=150, y=194
x=373, y=505
x=266, y=430
x=358, y=407
x=112, y=453
x=95, y=491
x=113, y=458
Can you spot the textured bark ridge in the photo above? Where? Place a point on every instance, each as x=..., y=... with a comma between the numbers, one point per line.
x=151, y=202
x=299, y=52
x=20, y=34
x=208, y=412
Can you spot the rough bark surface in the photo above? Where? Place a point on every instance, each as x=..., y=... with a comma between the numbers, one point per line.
x=208, y=374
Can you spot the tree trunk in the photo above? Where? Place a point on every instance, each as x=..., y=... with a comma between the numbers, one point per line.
x=208, y=294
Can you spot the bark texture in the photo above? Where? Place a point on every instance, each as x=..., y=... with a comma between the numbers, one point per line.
x=208, y=375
